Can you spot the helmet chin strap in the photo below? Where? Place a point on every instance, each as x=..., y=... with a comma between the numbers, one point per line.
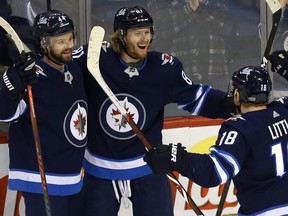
x=57, y=63
x=124, y=46
x=238, y=109
x=48, y=56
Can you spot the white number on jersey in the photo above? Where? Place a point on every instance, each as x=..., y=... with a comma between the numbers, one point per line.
x=277, y=151
x=228, y=138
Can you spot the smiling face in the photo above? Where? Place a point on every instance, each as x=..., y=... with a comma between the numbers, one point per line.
x=60, y=48
x=137, y=44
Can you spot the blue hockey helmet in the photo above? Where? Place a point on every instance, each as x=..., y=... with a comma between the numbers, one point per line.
x=132, y=17
x=253, y=84
x=52, y=23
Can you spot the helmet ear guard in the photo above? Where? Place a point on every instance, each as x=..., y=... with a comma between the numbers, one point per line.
x=253, y=84
x=121, y=34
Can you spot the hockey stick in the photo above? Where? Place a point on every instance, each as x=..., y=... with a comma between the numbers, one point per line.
x=48, y=2
x=276, y=10
x=93, y=56
x=23, y=48
x=223, y=198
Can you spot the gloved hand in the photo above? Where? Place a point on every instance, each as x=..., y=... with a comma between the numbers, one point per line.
x=164, y=159
x=279, y=63
x=21, y=74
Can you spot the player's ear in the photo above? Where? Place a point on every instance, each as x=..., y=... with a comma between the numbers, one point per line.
x=121, y=36
x=44, y=45
x=236, y=97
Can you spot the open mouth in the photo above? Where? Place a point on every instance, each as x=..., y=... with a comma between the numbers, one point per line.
x=66, y=52
x=143, y=47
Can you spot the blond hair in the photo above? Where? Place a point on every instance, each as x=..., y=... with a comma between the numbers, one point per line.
x=116, y=41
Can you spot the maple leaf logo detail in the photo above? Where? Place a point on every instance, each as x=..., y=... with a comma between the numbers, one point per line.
x=120, y=120
x=166, y=59
x=80, y=123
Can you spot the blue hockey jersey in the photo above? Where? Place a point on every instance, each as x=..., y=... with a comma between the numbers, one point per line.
x=251, y=149
x=61, y=112
x=114, y=151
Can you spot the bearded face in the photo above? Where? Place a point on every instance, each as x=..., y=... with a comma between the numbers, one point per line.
x=60, y=48
x=138, y=42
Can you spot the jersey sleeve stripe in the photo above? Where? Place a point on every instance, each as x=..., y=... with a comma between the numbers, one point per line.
x=19, y=111
x=220, y=170
x=228, y=158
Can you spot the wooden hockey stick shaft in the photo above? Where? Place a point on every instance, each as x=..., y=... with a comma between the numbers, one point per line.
x=39, y=151
x=171, y=176
x=93, y=56
x=223, y=198
x=23, y=48
x=276, y=10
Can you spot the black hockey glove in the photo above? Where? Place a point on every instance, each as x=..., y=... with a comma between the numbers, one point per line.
x=164, y=159
x=17, y=77
x=279, y=63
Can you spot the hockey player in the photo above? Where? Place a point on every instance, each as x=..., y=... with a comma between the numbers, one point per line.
x=61, y=111
x=251, y=149
x=144, y=82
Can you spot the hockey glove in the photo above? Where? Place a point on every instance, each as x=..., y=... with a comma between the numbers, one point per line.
x=279, y=63
x=164, y=159
x=17, y=77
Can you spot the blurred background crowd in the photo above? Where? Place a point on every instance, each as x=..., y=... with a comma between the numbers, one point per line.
x=212, y=38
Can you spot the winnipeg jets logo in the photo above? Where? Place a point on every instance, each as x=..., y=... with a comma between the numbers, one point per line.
x=39, y=71
x=105, y=45
x=63, y=22
x=80, y=122
x=121, y=12
x=120, y=120
x=75, y=124
x=246, y=71
x=167, y=59
x=114, y=124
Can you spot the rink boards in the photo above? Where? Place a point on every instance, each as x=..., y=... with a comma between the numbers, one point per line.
x=196, y=133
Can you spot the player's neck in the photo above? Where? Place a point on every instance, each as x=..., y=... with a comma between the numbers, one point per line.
x=53, y=64
x=128, y=59
x=251, y=108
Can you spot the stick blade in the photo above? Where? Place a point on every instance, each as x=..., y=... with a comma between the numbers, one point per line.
x=274, y=5
x=94, y=48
